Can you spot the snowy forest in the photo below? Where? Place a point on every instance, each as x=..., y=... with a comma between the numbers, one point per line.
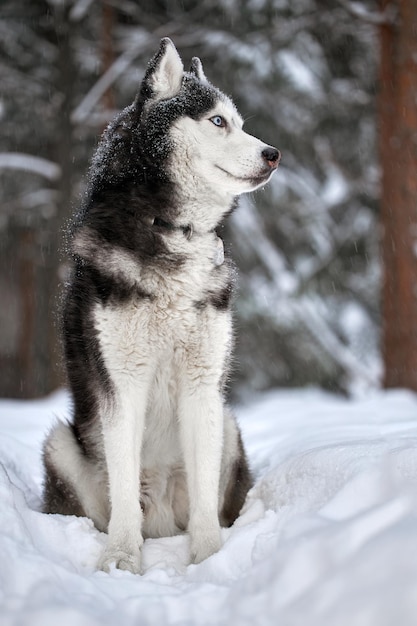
x=304, y=75
x=326, y=300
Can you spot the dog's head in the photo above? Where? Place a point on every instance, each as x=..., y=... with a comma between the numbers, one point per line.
x=184, y=130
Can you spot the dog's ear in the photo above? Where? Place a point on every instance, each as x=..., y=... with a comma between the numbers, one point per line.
x=197, y=69
x=163, y=77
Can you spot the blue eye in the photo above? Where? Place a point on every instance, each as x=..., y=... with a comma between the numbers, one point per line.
x=218, y=121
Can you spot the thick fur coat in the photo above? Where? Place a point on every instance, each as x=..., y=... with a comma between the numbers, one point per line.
x=152, y=450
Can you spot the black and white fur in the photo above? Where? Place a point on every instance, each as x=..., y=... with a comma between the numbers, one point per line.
x=152, y=449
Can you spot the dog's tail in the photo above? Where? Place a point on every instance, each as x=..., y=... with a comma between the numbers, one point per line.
x=74, y=484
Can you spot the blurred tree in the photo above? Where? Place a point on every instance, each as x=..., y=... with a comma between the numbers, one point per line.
x=398, y=147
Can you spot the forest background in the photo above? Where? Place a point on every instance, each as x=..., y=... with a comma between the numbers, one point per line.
x=310, y=77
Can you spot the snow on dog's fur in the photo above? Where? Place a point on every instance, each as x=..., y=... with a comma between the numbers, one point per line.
x=152, y=449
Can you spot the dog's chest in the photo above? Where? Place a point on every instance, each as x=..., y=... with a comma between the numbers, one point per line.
x=175, y=314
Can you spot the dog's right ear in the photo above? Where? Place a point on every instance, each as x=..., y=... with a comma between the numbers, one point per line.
x=164, y=75
x=197, y=69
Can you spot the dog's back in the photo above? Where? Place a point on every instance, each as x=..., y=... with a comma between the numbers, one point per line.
x=152, y=448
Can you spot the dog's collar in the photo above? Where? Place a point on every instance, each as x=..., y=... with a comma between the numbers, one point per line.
x=186, y=230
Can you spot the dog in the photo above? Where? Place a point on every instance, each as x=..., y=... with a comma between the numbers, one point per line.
x=152, y=449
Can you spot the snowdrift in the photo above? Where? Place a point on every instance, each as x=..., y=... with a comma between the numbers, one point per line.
x=328, y=535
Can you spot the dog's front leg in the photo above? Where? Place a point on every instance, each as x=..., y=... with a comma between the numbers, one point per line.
x=122, y=434
x=201, y=427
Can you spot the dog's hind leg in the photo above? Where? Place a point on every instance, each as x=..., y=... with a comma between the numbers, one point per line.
x=74, y=484
x=236, y=479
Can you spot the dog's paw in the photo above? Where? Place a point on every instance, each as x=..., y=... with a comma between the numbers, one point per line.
x=129, y=561
x=204, y=546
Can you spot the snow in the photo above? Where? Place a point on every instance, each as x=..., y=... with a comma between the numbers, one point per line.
x=328, y=535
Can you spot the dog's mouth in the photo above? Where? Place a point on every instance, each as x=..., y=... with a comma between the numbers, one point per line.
x=257, y=180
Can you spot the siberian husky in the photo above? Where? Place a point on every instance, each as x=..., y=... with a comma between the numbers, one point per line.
x=152, y=449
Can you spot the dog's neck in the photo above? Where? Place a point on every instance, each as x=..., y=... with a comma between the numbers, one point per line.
x=188, y=232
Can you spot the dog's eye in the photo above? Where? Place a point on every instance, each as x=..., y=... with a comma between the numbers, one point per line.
x=219, y=121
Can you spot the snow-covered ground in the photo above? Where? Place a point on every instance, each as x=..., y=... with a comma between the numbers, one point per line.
x=328, y=535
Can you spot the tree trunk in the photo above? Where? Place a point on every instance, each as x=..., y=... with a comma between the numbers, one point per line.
x=398, y=150
x=63, y=154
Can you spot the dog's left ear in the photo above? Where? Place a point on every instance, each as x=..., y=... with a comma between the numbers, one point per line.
x=163, y=77
x=197, y=69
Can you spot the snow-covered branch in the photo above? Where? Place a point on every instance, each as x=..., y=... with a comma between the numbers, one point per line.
x=79, y=10
x=116, y=69
x=30, y=163
x=388, y=16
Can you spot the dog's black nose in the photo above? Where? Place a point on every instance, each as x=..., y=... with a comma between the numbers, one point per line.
x=272, y=156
